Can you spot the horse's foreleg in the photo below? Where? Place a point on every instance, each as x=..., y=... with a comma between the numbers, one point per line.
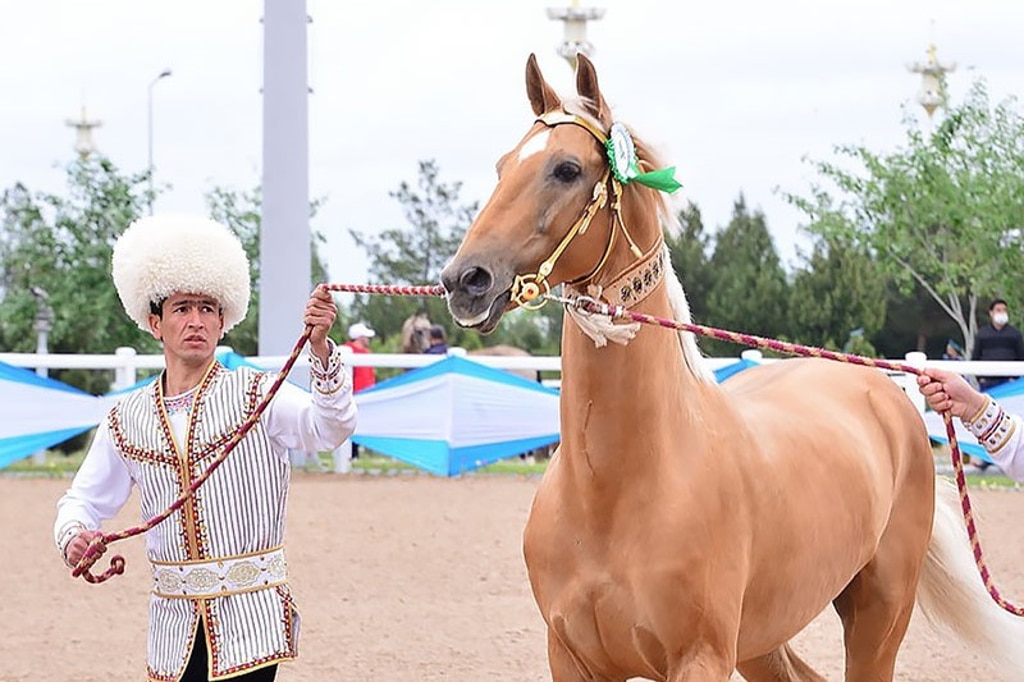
x=566, y=666
x=781, y=665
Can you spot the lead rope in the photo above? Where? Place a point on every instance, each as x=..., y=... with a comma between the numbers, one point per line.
x=99, y=544
x=586, y=304
x=592, y=306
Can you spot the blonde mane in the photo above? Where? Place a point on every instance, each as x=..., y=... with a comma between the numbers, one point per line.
x=692, y=355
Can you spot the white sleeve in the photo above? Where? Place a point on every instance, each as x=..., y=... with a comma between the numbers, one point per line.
x=319, y=420
x=1002, y=436
x=98, y=491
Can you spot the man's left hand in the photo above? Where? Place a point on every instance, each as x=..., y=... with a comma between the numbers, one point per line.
x=320, y=313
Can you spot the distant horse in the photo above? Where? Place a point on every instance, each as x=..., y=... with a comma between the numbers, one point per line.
x=416, y=333
x=686, y=529
x=415, y=339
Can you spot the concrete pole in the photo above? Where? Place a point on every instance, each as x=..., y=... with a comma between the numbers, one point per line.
x=285, y=270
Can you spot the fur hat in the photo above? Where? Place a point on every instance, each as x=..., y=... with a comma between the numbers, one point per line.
x=179, y=254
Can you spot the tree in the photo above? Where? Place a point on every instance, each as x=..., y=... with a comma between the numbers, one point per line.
x=62, y=245
x=942, y=212
x=836, y=296
x=242, y=213
x=749, y=291
x=414, y=254
x=688, y=252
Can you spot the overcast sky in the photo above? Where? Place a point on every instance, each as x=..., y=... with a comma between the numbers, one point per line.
x=735, y=94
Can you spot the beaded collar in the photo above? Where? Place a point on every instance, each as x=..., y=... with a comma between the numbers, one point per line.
x=635, y=283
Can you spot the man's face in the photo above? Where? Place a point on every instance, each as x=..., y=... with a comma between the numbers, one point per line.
x=190, y=326
x=999, y=314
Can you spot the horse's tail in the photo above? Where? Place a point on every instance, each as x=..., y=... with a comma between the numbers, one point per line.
x=953, y=598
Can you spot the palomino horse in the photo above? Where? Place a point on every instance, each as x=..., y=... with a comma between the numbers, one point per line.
x=686, y=529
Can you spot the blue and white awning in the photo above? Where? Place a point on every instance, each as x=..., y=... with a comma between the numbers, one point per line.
x=39, y=413
x=456, y=415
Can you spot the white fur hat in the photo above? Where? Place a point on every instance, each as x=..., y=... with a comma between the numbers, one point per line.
x=179, y=254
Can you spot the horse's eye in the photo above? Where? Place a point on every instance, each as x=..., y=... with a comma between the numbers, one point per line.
x=567, y=171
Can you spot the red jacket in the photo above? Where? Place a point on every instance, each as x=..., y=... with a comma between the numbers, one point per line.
x=362, y=377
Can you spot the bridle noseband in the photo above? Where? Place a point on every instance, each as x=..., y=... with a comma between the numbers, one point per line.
x=527, y=289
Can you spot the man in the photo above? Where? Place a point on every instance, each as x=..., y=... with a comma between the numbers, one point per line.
x=1001, y=434
x=998, y=340
x=220, y=606
x=359, y=335
x=438, y=341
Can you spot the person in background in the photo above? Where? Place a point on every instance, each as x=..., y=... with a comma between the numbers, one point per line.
x=220, y=605
x=1000, y=433
x=359, y=335
x=999, y=341
x=438, y=341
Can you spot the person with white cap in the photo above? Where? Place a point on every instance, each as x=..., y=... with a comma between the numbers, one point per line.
x=220, y=606
x=359, y=335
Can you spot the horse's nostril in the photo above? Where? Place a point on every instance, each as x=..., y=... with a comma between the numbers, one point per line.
x=475, y=281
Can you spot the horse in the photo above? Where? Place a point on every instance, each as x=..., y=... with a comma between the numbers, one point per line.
x=415, y=339
x=684, y=529
x=415, y=333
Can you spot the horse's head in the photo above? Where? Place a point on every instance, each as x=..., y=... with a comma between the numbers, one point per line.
x=415, y=338
x=556, y=211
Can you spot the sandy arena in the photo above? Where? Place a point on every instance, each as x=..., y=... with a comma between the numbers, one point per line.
x=405, y=578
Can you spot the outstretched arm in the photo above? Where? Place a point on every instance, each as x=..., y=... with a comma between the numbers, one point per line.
x=1000, y=433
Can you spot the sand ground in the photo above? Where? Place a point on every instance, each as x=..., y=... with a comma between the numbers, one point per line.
x=404, y=578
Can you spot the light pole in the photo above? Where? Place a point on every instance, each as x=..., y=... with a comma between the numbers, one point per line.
x=163, y=74
x=43, y=326
x=574, y=19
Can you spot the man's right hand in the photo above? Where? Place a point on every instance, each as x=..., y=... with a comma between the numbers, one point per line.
x=75, y=550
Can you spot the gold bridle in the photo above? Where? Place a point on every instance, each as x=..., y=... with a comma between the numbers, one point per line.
x=527, y=289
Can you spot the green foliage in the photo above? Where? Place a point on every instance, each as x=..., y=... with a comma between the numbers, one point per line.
x=413, y=254
x=62, y=245
x=749, y=291
x=242, y=212
x=837, y=298
x=416, y=253
x=942, y=212
x=688, y=251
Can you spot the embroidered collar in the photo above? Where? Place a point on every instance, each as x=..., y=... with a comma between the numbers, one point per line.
x=637, y=281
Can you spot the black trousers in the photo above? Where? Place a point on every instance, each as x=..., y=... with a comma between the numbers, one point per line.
x=196, y=670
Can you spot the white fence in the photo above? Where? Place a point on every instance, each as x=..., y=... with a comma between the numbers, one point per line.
x=126, y=364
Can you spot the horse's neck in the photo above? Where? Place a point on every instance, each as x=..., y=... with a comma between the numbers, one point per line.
x=621, y=404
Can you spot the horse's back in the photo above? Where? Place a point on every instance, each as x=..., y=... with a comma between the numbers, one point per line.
x=818, y=395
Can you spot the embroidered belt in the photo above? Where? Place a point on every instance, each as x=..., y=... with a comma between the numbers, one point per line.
x=220, y=577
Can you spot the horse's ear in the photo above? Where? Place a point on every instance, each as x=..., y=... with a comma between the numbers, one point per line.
x=542, y=97
x=590, y=91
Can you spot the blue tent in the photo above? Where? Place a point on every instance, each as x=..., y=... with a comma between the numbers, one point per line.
x=39, y=413
x=455, y=415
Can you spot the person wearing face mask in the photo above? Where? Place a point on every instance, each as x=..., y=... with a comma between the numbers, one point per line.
x=999, y=340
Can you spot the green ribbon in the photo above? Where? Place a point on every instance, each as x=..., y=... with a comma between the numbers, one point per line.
x=663, y=179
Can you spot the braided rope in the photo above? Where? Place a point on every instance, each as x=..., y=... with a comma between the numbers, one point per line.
x=590, y=305
x=99, y=544
x=117, y=563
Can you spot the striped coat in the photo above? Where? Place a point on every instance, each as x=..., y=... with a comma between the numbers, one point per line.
x=239, y=511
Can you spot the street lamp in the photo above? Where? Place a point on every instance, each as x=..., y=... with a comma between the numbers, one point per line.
x=574, y=19
x=43, y=326
x=163, y=74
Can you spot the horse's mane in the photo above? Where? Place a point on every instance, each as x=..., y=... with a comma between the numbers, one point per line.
x=648, y=160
